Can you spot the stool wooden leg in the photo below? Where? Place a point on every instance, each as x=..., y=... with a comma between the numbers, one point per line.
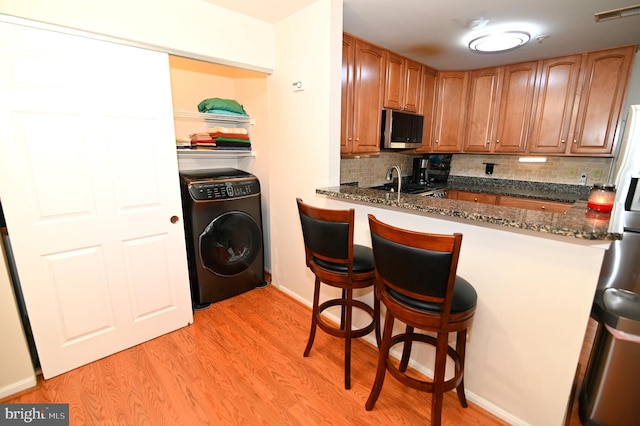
x=376, y=318
x=382, y=362
x=348, y=310
x=461, y=345
x=342, y=309
x=314, y=317
x=438, y=379
x=406, y=350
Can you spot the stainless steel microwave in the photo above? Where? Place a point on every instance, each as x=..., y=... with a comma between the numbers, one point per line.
x=401, y=130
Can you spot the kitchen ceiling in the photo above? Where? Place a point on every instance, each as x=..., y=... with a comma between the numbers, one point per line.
x=436, y=32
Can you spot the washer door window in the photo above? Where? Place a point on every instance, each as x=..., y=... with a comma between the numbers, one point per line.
x=230, y=244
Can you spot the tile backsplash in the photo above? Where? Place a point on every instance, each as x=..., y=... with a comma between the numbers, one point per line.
x=371, y=171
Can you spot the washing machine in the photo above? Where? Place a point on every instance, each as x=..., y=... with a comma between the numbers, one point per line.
x=223, y=227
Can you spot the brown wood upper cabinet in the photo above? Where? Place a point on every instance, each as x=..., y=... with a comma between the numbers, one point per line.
x=579, y=102
x=569, y=105
x=428, y=106
x=557, y=86
x=516, y=102
x=448, y=132
x=605, y=79
x=482, y=110
x=403, y=83
x=363, y=73
x=499, y=108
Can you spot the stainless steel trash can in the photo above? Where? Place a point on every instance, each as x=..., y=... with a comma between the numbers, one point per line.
x=610, y=393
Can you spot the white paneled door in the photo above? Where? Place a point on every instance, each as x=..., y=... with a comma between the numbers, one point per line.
x=89, y=186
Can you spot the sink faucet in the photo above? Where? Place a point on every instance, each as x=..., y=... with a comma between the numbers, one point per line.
x=390, y=175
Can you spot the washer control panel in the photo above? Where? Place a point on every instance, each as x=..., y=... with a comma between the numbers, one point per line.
x=224, y=190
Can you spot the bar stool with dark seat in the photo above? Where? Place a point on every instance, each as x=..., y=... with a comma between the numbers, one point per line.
x=416, y=281
x=336, y=261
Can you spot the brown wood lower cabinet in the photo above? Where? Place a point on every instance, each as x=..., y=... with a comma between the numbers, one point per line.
x=475, y=197
x=534, y=204
x=509, y=201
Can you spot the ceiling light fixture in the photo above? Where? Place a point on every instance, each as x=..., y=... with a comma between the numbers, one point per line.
x=499, y=41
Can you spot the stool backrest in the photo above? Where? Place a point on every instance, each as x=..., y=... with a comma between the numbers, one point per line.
x=418, y=265
x=328, y=237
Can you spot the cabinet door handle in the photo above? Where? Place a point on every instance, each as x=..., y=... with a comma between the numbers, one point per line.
x=357, y=139
x=174, y=219
x=437, y=140
x=488, y=142
x=575, y=141
x=497, y=140
x=475, y=198
x=542, y=207
x=563, y=141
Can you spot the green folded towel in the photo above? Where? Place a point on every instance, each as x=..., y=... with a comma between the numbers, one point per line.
x=230, y=105
x=226, y=139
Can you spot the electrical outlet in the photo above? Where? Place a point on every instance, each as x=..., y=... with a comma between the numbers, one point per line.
x=597, y=175
x=572, y=172
x=583, y=179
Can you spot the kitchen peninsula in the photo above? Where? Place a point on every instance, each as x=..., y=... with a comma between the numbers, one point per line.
x=535, y=273
x=575, y=222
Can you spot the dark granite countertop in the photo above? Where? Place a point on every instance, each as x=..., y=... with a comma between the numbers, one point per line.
x=577, y=222
x=517, y=188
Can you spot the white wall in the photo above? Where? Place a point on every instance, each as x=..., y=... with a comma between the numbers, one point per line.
x=193, y=26
x=305, y=132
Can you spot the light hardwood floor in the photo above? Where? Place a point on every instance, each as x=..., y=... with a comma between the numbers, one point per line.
x=241, y=363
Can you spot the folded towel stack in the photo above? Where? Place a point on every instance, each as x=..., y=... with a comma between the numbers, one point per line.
x=234, y=130
x=202, y=139
x=220, y=137
x=222, y=106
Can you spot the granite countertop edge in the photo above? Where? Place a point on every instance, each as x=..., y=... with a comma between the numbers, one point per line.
x=577, y=222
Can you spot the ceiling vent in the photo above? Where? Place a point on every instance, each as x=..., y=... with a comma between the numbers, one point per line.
x=618, y=13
